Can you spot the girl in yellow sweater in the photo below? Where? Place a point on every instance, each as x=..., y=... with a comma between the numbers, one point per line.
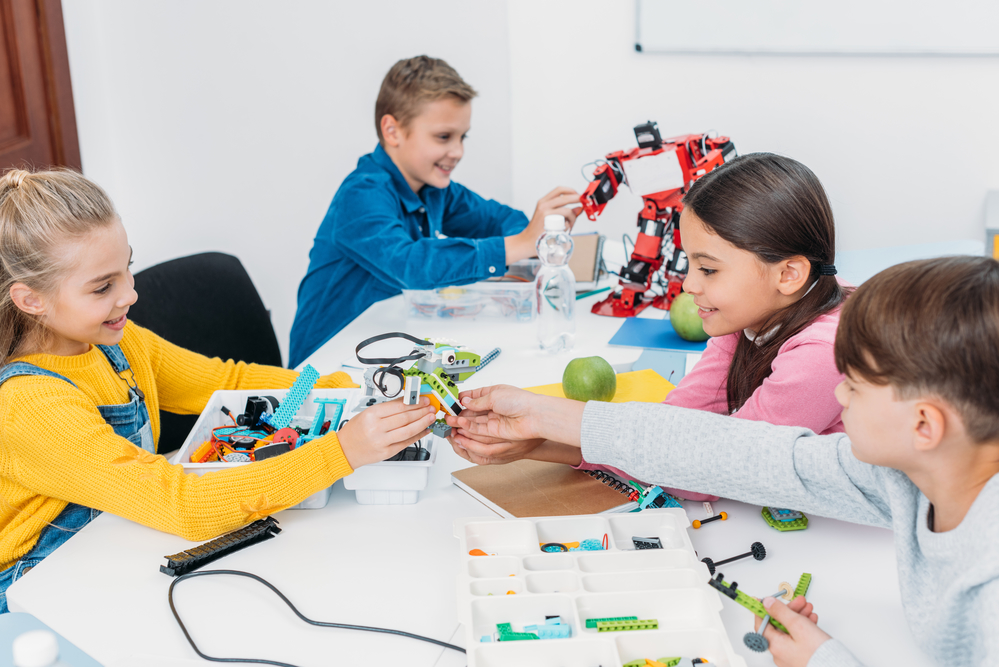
x=81, y=390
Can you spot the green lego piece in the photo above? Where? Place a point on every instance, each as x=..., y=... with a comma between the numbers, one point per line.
x=504, y=627
x=750, y=603
x=592, y=622
x=622, y=626
x=670, y=662
x=516, y=636
x=635, y=663
x=803, y=584
x=784, y=526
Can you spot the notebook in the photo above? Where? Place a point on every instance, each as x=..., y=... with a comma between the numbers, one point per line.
x=538, y=488
x=653, y=335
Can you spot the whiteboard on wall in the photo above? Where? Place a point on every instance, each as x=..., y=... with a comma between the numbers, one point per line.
x=855, y=27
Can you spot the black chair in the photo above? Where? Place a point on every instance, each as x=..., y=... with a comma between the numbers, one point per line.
x=205, y=303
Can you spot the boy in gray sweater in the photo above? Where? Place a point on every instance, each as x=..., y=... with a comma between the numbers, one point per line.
x=919, y=344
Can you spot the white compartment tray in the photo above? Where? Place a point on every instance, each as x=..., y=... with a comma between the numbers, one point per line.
x=519, y=583
x=389, y=482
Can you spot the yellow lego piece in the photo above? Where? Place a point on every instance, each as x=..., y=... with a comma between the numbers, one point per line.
x=205, y=453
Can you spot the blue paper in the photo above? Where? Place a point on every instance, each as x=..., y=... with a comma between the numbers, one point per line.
x=653, y=335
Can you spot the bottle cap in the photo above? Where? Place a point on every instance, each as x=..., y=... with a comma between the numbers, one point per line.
x=554, y=223
x=38, y=648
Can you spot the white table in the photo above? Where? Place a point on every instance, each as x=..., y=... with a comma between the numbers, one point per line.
x=395, y=566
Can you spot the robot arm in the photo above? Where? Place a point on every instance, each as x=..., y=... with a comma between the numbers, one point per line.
x=661, y=171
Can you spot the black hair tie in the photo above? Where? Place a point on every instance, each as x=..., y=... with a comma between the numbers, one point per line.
x=827, y=269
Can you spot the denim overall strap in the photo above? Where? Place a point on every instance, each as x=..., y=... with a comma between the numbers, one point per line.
x=130, y=420
x=24, y=368
x=72, y=518
x=117, y=358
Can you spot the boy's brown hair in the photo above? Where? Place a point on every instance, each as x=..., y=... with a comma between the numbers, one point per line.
x=413, y=82
x=930, y=327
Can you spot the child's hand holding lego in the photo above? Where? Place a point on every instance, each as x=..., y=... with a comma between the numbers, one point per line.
x=804, y=637
x=507, y=414
x=557, y=202
x=483, y=450
x=383, y=430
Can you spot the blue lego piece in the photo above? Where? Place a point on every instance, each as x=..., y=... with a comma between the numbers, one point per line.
x=591, y=545
x=657, y=498
x=293, y=400
x=321, y=417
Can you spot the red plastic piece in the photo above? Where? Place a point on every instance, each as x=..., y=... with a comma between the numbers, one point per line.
x=697, y=155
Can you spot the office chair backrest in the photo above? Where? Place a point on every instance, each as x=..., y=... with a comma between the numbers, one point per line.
x=205, y=303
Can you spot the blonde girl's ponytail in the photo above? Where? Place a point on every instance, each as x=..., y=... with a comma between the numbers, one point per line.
x=39, y=212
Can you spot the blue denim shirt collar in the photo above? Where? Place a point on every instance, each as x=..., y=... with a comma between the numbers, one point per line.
x=410, y=200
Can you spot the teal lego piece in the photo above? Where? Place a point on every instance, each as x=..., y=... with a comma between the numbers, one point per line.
x=784, y=525
x=624, y=626
x=321, y=417
x=656, y=498
x=591, y=623
x=750, y=603
x=294, y=399
x=516, y=636
x=803, y=584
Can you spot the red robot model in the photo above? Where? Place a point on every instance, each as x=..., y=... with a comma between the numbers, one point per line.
x=661, y=171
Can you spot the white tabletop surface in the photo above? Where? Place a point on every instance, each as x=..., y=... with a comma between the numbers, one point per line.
x=395, y=566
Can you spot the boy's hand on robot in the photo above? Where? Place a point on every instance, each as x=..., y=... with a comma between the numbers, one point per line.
x=500, y=412
x=383, y=430
x=804, y=637
x=557, y=202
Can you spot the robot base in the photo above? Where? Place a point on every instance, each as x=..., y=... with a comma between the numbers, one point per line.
x=615, y=306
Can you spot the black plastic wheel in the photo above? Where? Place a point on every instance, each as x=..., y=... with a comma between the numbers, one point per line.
x=759, y=551
x=710, y=563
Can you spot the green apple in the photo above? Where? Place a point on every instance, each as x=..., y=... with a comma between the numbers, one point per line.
x=685, y=320
x=589, y=379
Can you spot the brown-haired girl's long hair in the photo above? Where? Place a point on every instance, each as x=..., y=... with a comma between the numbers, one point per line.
x=775, y=208
x=39, y=212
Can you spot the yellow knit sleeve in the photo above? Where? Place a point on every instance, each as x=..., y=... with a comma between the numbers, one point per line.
x=54, y=442
x=185, y=380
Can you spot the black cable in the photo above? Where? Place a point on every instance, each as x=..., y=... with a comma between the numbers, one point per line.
x=240, y=573
x=387, y=360
x=379, y=375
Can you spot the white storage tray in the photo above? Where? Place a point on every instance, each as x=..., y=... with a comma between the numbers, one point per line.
x=389, y=482
x=668, y=584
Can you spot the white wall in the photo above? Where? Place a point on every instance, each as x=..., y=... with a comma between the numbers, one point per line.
x=906, y=147
x=229, y=124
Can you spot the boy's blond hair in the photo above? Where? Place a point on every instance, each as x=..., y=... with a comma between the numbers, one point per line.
x=930, y=328
x=39, y=212
x=413, y=82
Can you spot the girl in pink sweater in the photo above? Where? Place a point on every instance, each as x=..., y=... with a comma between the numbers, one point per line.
x=760, y=238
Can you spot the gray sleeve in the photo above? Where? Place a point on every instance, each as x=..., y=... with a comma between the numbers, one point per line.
x=833, y=654
x=751, y=461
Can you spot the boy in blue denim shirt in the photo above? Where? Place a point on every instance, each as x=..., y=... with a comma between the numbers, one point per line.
x=399, y=222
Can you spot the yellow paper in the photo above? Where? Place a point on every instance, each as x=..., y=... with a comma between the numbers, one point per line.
x=645, y=386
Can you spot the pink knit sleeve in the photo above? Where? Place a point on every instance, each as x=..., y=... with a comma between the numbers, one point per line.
x=800, y=391
x=704, y=387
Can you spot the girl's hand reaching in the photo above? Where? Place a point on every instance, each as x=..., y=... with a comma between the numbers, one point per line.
x=500, y=412
x=383, y=430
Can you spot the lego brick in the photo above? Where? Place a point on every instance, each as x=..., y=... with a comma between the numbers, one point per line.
x=294, y=399
x=750, y=603
x=623, y=626
x=592, y=622
x=784, y=526
x=803, y=584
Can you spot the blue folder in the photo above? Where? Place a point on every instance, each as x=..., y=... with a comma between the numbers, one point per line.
x=653, y=335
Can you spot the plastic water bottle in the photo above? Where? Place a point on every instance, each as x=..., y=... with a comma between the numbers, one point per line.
x=37, y=648
x=555, y=287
